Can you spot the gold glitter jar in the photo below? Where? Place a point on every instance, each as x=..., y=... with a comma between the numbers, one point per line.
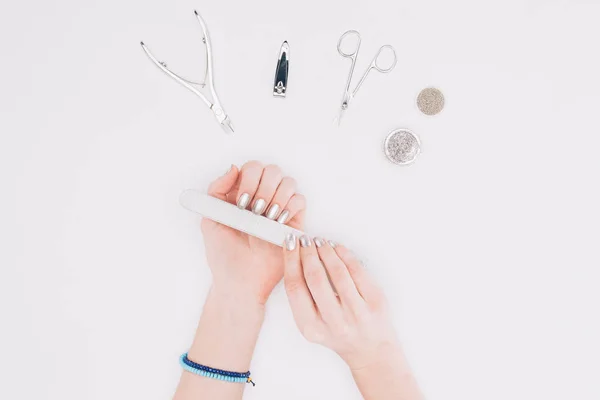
x=431, y=101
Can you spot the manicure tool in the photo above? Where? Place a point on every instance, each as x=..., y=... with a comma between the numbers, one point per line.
x=281, y=71
x=215, y=104
x=242, y=220
x=402, y=146
x=348, y=96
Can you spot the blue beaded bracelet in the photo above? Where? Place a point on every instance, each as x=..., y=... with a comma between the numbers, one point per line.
x=214, y=373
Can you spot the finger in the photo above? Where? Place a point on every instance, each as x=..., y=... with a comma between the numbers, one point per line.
x=285, y=191
x=293, y=211
x=269, y=181
x=301, y=302
x=298, y=221
x=249, y=179
x=220, y=187
x=339, y=275
x=363, y=281
x=318, y=283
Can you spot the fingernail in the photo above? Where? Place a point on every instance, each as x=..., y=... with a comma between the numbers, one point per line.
x=332, y=244
x=259, y=206
x=290, y=241
x=273, y=211
x=243, y=201
x=304, y=241
x=229, y=170
x=283, y=217
x=318, y=242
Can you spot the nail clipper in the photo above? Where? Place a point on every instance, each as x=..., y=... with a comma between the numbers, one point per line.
x=282, y=71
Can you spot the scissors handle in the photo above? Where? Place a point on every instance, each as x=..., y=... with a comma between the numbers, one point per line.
x=351, y=56
x=392, y=65
x=376, y=67
x=355, y=51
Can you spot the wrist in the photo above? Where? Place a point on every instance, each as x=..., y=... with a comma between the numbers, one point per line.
x=227, y=332
x=240, y=293
x=387, y=357
x=236, y=299
x=387, y=376
x=371, y=357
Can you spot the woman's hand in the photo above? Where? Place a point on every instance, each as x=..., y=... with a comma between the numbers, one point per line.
x=245, y=270
x=354, y=323
x=243, y=266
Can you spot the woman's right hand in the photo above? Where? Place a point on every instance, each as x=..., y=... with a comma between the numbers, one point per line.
x=354, y=323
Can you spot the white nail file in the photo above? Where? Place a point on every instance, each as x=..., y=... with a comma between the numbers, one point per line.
x=241, y=220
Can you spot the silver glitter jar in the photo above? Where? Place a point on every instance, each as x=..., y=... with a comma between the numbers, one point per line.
x=402, y=146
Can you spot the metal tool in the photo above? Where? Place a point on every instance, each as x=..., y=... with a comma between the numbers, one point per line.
x=215, y=104
x=242, y=220
x=348, y=95
x=281, y=71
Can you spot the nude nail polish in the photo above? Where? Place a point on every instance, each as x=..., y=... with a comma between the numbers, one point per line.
x=305, y=241
x=259, y=206
x=243, y=201
x=290, y=241
x=332, y=244
x=273, y=211
x=283, y=217
x=318, y=242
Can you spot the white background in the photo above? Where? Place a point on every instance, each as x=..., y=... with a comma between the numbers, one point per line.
x=488, y=246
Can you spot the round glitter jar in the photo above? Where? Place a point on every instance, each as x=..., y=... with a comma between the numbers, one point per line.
x=402, y=146
x=431, y=101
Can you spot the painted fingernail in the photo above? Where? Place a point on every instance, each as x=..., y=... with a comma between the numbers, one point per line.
x=229, y=170
x=283, y=217
x=332, y=244
x=259, y=206
x=243, y=201
x=290, y=241
x=273, y=211
x=305, y=241
x=318, y=242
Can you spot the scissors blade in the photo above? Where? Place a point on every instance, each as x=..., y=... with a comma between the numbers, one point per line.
x=338, y=119
x=343, y=107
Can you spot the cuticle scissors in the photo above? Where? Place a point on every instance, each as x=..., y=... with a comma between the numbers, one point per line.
x=214, y=105
x=348, y=95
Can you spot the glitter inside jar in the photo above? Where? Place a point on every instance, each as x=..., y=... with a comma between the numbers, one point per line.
x=430, y=101
x=402, y=146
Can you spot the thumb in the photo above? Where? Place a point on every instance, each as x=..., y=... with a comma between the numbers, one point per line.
x=224, y=184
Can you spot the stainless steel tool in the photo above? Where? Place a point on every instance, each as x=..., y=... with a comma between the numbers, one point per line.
x=214, y=105
x=282, y=71
x=349, y=95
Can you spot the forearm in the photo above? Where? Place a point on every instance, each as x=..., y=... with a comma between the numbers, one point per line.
x=225, y=339
x=387, y=378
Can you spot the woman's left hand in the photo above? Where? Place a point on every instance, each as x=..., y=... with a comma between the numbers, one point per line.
x=245, y=267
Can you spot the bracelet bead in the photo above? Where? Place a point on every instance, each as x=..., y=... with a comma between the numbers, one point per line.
x=214, y=373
